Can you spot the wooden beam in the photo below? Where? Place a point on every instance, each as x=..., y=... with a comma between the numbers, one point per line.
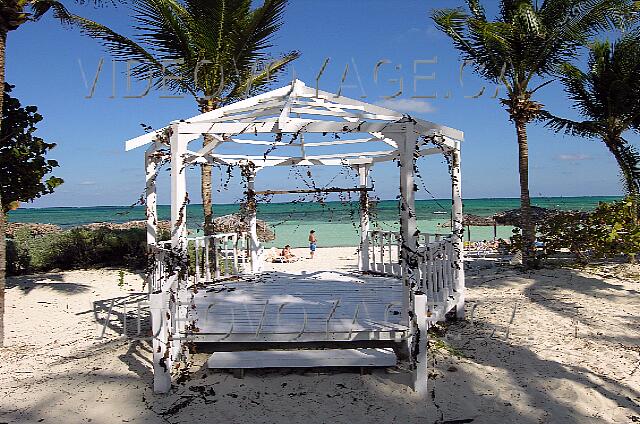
x=458, y=229
x=313, y=190
x=363, y=177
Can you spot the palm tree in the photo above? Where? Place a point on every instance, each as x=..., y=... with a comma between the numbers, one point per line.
x=608, y=97
x=223, y=42
x=525, y=44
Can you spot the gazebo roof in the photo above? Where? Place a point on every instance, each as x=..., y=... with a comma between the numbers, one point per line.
x=296, y=110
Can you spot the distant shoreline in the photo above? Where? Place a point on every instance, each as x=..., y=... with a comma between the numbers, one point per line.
x=533, y=199
x=335, y=221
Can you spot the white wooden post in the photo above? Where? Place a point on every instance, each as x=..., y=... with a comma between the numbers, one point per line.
x=252, y=221
x=158, y=305
x=420, y=346
x=178, y=191
x=416, y=303
x=151, y=210
x=151, y=167
x=408, y=224
x=458, y=229
x=363, y=174
x=161, y=314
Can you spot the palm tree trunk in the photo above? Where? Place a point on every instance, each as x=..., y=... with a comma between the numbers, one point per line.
x=526, y=221
x=206, y=189
x=613, y=143
x=3, y=241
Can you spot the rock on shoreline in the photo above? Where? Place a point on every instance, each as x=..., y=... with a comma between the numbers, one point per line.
x=224, y=224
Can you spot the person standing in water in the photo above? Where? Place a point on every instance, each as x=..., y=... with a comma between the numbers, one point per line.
x=312, y=243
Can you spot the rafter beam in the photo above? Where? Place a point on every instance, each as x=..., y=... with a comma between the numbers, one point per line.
x=313, y=190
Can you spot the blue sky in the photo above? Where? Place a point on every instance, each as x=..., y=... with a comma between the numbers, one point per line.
x=44, y=63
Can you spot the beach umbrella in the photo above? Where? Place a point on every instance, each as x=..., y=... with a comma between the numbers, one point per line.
x=233, y=223
x=512, y=217
x=471, y=220
x=477, y=220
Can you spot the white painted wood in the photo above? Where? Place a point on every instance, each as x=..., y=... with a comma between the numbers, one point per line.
x=151, y=210
x=256, y=259
x=297, y=302
x=408, y=223
x=372, y=242
x=458, y=229
x=420, y=353
x=151, y=166
x=363, y=176
x=301, y=309
x=158, y=306
x=303, y=358
x=178, y=192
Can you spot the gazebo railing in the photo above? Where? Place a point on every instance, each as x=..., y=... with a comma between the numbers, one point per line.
x=384, y=252
x=436, y=267
x=168, y=315
x=157, y=274
x=435, y=272
x=221, y=255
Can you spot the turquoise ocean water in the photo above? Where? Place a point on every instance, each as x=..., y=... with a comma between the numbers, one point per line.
x=336, y=223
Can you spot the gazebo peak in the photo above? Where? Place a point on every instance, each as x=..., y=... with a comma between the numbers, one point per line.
x=297, y=108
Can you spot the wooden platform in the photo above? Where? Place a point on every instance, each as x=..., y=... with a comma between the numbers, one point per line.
x=279, y=307
x=303, y=358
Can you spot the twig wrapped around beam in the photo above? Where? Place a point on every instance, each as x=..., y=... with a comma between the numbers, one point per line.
x=312, y=190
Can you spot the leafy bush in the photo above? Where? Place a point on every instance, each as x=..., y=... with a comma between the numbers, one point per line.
x=611, y=230
x=76, y=248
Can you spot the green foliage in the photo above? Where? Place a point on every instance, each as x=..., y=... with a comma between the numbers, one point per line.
x=224, y=42
x=520, y=48
x=527, y=38
x=606, y=95
x=23, y=163
x=611, y=230
x=76, y=248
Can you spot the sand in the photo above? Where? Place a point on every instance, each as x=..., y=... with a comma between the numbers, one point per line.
x=572, y=355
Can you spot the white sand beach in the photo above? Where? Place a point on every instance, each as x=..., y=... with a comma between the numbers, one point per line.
x=572, y=355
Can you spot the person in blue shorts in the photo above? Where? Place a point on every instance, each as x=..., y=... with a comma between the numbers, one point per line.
x=312, y=243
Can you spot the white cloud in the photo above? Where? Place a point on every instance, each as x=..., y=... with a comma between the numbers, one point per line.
x=407, y=105
x=87, y=183
x=574, y=158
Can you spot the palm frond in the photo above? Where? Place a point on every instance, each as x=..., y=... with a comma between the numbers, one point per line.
x=476, y=9
x=483, y=43
x=257, y=82
x=629, y=162
x=570, y=23
x=41, y=7
x=125, y=49
x=587, y=129
x=217, y=44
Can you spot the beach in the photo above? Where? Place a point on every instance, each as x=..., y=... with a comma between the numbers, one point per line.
x=569, y=355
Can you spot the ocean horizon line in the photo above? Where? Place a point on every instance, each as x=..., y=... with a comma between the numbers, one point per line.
x=612, y=196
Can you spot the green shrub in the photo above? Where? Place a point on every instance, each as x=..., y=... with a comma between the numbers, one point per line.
x=76, y=248
x=611, y=230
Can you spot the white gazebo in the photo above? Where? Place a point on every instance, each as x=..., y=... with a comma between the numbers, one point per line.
x=411, y=278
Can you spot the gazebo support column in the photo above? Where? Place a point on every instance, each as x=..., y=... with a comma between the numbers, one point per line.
x=458, y=229
x=414, y=303
x=179, y=198
x=164, y=350
x=151, y=210
x=251, y=218
x=363, y=174
x=151, y=168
